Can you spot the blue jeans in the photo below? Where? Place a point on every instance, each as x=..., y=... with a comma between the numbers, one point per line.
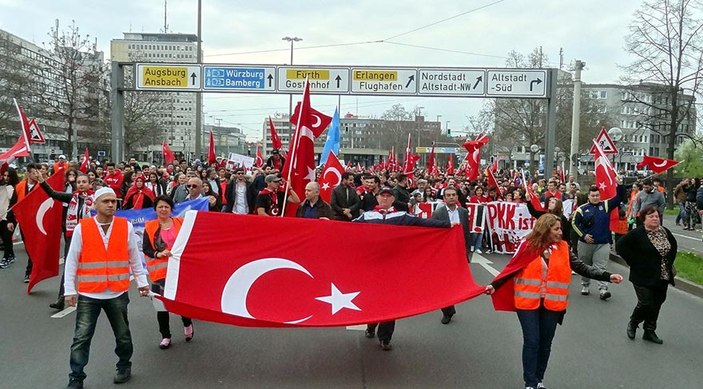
x=476, y=240
x=682, y=213
x=87, y=313
x=538, y=327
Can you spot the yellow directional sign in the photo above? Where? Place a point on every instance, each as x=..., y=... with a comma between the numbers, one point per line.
x=333, y=80
x=384, y=81
x=179, y=77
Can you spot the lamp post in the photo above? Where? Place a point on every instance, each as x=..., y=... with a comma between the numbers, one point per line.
x=616, y=135
x=292, y=40
x=534, y=149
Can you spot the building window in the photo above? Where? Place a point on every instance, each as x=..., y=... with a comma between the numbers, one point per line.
x=603, y=94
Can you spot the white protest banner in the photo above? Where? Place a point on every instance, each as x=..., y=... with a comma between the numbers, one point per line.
x=238, y=160
x=507, y=223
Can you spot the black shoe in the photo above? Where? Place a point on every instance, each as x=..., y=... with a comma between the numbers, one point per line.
x=446, y=319
x=4, y=263
x=651, y=336
x=386, y=345
x=604, y=295
x=74, y=384
x=370, y=334
x=59, y=304
x=11, y=259
x=631, y=329
x=122, y=376
x=26, y=278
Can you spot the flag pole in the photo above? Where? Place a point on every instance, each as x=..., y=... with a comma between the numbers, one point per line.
x=294, y=150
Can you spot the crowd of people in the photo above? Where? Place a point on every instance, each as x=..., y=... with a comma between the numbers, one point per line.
x=575, y=230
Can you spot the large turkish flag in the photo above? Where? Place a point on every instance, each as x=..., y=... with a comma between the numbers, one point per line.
x=39, y=217
x=310, y=272
x=331, y=177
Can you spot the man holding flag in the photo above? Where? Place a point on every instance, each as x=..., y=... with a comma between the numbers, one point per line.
x=591, y=221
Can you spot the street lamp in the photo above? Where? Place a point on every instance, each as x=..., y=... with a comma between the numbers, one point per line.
x=534, y=149
x=616, y=135
x=290, y=97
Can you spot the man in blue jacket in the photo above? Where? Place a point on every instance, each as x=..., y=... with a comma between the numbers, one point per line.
x=591, y=222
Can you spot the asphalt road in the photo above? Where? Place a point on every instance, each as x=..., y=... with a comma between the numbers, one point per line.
x=480, y=348
x=687, y=240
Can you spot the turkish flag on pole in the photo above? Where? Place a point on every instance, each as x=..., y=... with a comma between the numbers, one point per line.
x=331, y=176
x=86, y=162
x=431, y=159
x=39, y=216
x=169, y=157
x=275, y=140
x=211, y=157
x=298, y=280
x=450, y=165
x=606, y=178
x=474, y=156
x=259, y=161
x=492, y=182
x=299, y=168
x=656, y=164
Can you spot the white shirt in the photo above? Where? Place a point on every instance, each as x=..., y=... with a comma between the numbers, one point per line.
x=453, y=215
x=74, y=252
x=240, y=199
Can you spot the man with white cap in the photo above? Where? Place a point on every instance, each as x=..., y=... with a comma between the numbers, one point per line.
x=103, y=252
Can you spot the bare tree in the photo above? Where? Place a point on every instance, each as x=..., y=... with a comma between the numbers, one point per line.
x=82, y=69
x=666, y=39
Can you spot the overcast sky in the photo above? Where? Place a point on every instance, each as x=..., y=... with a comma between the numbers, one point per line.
x=250, y=32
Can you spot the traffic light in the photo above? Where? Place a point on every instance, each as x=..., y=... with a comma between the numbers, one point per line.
x=449, y=131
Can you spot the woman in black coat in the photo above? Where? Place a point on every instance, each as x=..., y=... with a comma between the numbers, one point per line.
x=650, y=251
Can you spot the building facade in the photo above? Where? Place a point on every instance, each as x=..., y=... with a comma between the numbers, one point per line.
x=177, y=110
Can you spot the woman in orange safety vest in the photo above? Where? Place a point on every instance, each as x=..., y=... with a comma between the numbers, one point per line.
x=535, y=283
x=159, y=237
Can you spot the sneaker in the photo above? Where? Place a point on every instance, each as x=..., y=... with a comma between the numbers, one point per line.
x=370, y=334
x=541, y=386
x=188, y=332
x=122, y=376
x=165, y=343
x=585, y=291
x=26, y=279
x=478, y=251
x=386, y=345
x=74, y=384
x=11, y=259
x=4, y=263
x=472, y=249
x=604, y=295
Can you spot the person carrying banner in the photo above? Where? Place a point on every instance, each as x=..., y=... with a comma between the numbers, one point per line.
x=80, y=202
x=591, y=222
x=535, y=284
x=103, y=252
x=22, y=189
x=159, y=237
x=452, y=212
x=385, y=213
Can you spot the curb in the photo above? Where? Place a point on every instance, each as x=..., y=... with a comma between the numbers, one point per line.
x=681, y=283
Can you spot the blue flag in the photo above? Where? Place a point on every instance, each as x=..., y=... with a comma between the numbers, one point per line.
x=333, y=139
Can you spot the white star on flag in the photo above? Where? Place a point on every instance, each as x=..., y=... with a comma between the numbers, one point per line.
x=339, y=300
x=601, y=185
x=325, y=186
x=311, y=174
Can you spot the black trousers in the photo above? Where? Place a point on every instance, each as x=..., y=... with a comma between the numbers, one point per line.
x=649, y=302
x=6, y=236
x=385, y=330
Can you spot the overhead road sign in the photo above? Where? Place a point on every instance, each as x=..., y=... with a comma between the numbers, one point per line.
x=168, y=77
x=226, y=78
x=437, y=150
x=332, y=80
x=451, y=82
x=516, y=83
x=384, y=81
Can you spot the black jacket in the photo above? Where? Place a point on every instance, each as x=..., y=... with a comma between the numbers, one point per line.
x=230, y=194
x=402, y=195
x=442, y=213
x=344, y=197
x=644, y=260
x=323, y=209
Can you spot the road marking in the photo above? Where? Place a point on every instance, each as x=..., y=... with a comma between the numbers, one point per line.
x=360, y=327
x=685, y=236
x=64, y=313
x=484, y=262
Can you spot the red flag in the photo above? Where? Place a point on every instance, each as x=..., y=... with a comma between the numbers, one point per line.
x=450, y=165
x=492, y=182
x=431, y=159
x=39, y=216
x=35, y=135
x=656, y=164
x=259, y=161
x=331, y=177
x=293, y=279
x=211, y=157
x=169, y=157
x=474, y=156
x=24, y=123
x=605, y=174
x=19, y=149
x=562, y=178
x=299, y=168
x=86, y=162
x=275, y=140
x=494, y=165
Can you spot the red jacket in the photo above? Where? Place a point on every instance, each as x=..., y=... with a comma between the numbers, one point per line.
x=114, y=181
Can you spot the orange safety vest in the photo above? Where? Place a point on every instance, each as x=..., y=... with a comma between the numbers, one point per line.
x=101, y=269
x=21, y=189
x=538, y=281
x=157, y=266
